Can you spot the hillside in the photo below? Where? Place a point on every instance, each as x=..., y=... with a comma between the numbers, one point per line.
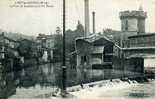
x=16, y=36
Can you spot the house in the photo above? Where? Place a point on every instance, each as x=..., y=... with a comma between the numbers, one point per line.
x=8, y=45
x=8, y=52
x=8, y=42
x=47, y=43
x=2, y=56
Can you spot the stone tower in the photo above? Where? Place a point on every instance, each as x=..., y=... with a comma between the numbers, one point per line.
x=133, y=21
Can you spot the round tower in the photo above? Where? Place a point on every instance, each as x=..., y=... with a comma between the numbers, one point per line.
x=133, y=21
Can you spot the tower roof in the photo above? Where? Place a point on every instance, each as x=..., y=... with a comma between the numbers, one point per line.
x=134, y=14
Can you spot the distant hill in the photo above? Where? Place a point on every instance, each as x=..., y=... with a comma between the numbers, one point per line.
x=16, y=36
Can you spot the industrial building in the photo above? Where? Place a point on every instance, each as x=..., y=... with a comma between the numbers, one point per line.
x=131, y=49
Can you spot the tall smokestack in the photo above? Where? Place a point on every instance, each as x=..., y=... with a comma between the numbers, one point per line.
x=86, y=3
x=93, y=16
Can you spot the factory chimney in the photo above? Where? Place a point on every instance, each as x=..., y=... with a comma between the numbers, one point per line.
x=93, y=16
x=86, y=13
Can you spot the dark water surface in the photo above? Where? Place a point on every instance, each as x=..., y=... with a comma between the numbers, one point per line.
x=135, y=91
x=141, y=91
x=31, y=82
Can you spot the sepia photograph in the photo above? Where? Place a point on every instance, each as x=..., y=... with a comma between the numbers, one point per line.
x=77, y=49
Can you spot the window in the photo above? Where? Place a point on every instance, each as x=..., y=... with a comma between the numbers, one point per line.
x=83, y=59
x=126, y=25
x=107, y=53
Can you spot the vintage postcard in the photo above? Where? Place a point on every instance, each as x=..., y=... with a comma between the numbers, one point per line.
x=77, y=49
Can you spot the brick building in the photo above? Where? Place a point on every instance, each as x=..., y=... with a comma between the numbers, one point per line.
x=133, y=48
x=142, y=49
x=138, y=50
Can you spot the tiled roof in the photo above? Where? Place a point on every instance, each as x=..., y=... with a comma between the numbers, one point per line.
x=94, y=38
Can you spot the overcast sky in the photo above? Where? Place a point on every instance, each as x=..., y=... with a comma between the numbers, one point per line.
x=32, y=21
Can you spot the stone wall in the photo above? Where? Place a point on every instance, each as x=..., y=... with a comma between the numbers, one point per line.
x=130, y=24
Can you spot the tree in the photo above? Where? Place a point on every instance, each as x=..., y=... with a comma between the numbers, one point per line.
x=72, y=35
x=27, y=49
x=58, y=45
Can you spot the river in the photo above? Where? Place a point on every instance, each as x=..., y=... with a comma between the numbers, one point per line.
x=40, y=81
x=121, y=90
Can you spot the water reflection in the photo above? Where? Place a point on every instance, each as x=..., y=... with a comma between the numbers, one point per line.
x=42, y=75
x=35, y=81
x=7, y=85
x=141, y=91
x=138, y=95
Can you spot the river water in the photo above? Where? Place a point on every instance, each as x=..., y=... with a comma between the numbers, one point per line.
x=121, y=90
x=38, y=82
x=133, y=91
x=141, y=91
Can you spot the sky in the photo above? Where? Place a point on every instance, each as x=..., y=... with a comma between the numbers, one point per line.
x=35, y=20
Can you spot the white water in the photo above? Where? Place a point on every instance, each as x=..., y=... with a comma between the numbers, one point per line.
x=102, y=88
